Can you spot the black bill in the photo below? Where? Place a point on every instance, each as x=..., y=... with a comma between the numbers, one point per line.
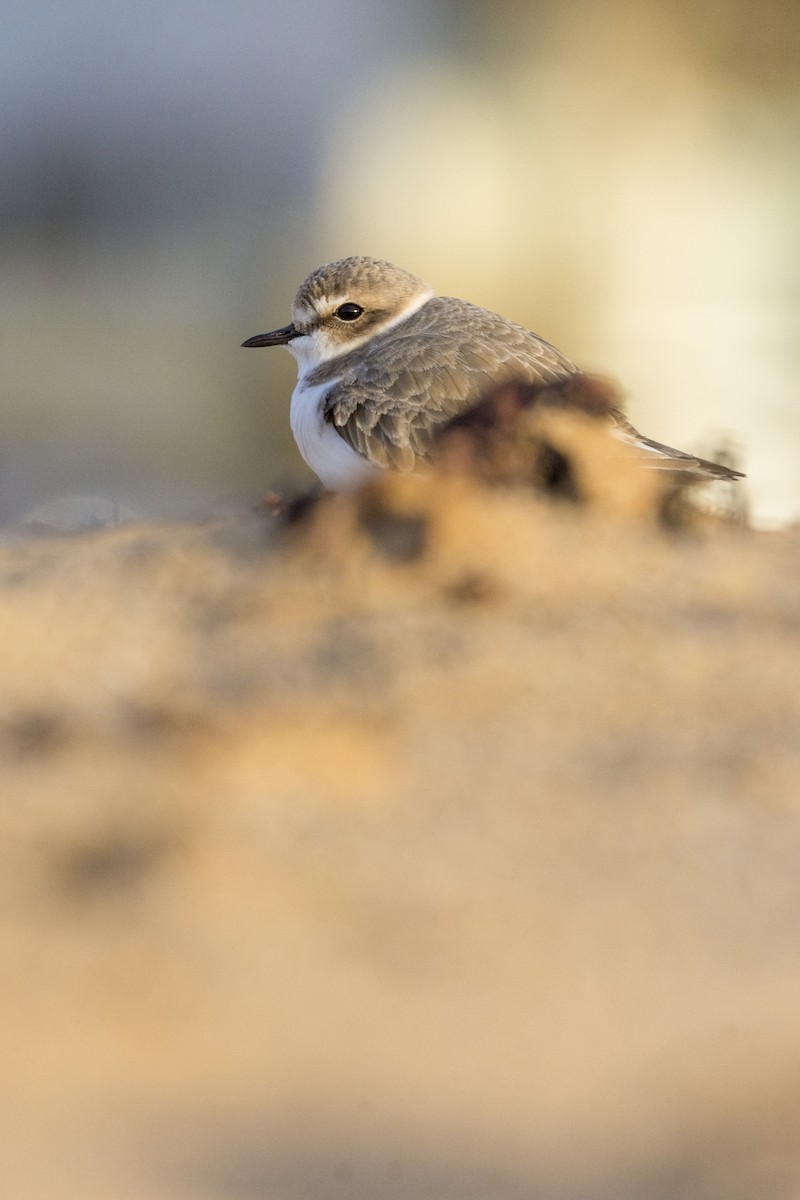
x=278, y=337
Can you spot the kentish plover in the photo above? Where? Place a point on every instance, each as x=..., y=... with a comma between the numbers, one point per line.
x=383, y=363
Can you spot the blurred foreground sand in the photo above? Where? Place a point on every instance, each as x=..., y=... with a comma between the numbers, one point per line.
x=446, y=844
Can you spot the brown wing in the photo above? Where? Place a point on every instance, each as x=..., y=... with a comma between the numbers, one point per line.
x=389, y=399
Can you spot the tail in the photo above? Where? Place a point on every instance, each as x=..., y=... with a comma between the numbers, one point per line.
x=667, y=458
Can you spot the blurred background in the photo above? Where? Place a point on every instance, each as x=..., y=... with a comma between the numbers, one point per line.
x=619, y=175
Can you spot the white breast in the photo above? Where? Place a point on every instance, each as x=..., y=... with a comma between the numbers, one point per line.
x=326, y=452
x=336, y=463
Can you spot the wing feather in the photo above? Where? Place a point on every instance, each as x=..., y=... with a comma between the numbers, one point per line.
x=387, y=399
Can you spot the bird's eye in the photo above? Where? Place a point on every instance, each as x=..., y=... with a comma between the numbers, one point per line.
x=349, y=312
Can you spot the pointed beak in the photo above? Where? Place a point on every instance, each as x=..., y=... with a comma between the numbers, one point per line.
x=278, y=337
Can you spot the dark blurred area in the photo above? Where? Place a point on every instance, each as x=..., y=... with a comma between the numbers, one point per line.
x=618, y=176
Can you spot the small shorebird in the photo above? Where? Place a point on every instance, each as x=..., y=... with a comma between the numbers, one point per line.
x=384, y=364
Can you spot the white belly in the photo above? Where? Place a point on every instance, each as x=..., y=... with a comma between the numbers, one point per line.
x=337, y=464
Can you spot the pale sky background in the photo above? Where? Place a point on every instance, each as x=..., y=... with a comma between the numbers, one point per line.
x=620, y=176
